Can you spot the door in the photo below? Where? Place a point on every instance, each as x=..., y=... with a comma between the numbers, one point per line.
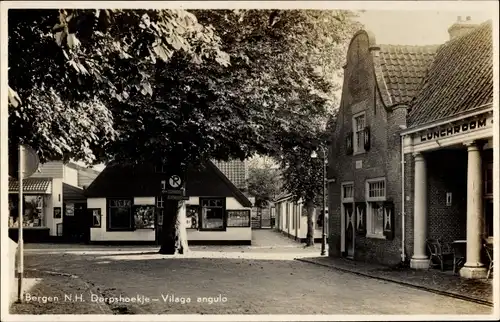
x=76, y=223
x=349, y=232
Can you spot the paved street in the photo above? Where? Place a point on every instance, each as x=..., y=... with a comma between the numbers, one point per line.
x=250, y=281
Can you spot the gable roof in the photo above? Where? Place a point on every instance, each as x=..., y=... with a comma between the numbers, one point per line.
x=402, y=70
x=459, y=80
x=125, y=181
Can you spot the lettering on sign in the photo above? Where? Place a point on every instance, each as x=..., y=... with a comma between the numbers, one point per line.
x=451, y=130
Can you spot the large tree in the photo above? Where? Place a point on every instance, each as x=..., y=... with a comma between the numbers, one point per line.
x=264, y=180
x=161, y=104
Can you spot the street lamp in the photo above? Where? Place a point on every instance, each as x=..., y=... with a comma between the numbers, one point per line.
x=323, y=239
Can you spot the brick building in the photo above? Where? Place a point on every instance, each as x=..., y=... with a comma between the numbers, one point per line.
x=430, y=100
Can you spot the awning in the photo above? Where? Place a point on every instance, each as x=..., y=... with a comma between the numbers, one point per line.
x=72, y=194
x=32, y=185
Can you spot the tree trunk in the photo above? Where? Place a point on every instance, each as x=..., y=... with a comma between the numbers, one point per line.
x=174, y=236
x=310, y=223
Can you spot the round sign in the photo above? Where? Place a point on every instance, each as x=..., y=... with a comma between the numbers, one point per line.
x=30, y=164
x=175, y=181
x=31, y=161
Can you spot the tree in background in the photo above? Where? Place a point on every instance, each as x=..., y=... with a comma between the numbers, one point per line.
x=263, y=181
x=138, y=80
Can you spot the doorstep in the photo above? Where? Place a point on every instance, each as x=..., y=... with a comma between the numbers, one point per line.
x=432, y=280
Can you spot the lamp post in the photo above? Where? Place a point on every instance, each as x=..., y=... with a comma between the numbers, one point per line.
x=323, y=236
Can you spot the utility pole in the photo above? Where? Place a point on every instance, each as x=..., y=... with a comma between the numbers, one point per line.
x=323, y=239
x=20, y=253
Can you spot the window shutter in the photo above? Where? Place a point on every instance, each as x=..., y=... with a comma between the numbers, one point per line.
x=348, y=143
x=360, y=218
x=389, y=220
x=367, y=138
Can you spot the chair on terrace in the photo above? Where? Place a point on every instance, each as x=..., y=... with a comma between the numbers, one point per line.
x=489, y=252
x=439, y=253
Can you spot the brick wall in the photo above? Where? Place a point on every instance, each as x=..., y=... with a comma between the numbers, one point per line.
x=447, y=172
x=382, y=160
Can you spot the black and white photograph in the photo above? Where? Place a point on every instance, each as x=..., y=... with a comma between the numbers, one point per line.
x=249, y=160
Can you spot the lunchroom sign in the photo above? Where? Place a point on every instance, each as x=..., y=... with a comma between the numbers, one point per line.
x=451, y=130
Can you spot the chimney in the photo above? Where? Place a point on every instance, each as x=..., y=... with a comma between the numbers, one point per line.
x=461, y=27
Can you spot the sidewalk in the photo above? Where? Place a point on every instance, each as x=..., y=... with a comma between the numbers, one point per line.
x=478, y=291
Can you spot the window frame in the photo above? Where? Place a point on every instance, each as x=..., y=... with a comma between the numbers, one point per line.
x=342, y=196
x=355, y=148
x=369, y=210
x=108, y=215
x=247, y=211
x=224, y=217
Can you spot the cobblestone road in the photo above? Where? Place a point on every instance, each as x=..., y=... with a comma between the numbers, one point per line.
x=254, y=281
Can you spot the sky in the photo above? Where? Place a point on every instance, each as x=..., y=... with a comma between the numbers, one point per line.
x=415, y=27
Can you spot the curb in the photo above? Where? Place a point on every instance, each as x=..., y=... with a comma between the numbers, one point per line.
x=449, y=294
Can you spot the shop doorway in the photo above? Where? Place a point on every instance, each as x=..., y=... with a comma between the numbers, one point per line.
x=76, y=223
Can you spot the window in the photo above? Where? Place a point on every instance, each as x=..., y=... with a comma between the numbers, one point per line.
x=159, y=202
x=144, y=217
x=120, y=214
x=212, y=214
x=347, y=192
x=375, y=196
x=192, y=215
x=359, y=124
x=238, y=218
x=33, y=209
x=96, y=217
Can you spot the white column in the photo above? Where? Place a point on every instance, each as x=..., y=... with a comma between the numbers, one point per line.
x=473, y=267
x=419, y=259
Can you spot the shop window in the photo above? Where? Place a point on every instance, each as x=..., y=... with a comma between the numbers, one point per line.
x=238, y=218
x=144, y=217
x=33, y=209
x=375, y=196
x=359, y=124
x=192, y=216
x=212, y=214
x=120, y=214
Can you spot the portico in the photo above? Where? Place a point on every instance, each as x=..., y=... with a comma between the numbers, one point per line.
x=464, y=151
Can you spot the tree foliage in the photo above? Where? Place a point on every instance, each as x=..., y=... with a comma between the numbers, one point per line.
x=264, y=181
x=174, y=86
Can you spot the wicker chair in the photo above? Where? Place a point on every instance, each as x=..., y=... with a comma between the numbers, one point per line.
x=489, y=252
x=439, y=252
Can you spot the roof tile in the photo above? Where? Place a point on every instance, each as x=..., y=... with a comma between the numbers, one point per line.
x=41, y=185
x=460, y=79
x=404, y=68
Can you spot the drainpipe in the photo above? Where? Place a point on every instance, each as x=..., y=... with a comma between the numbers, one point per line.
x=403, y=255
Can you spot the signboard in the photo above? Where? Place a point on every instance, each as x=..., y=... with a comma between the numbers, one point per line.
x=177, y=197
x=449, y=130
x=175, y=181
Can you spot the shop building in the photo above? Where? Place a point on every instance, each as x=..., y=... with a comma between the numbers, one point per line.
x=412, y=155
x=54, y=204
x=126, y=206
